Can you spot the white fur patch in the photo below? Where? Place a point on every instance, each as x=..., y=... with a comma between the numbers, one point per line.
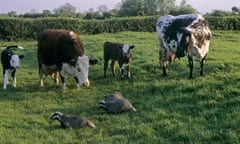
x=71, y=33
x=20, y=47
x=125, y=48
x=15, y=61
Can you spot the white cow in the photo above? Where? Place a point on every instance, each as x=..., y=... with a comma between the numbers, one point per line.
x=183, y=35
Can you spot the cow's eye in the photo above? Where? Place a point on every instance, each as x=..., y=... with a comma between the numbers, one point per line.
x=78, y=69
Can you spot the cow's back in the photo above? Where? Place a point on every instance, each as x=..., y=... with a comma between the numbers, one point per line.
x=57, y=46
x=112, y=50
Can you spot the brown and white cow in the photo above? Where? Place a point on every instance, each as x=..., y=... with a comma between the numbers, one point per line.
x=183, y=35
x=62, y=51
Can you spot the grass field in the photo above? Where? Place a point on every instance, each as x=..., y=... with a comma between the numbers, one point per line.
x=169, y=110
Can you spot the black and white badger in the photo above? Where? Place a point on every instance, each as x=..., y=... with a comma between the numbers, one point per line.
x=116, y=103
x=10, y=63
x=69, y=121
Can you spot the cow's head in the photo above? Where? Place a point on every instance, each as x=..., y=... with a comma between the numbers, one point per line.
x=126, y=52
x=15, y=60
x=77, y=67
x=184, y=37
x=81, y=69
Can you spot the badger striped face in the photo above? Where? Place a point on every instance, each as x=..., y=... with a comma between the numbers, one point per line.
x=56, y=116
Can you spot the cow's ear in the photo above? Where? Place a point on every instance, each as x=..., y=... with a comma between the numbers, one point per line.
x=131, y=47
x=21, y=56
x=92, y=61
x=9, y=56
x=72, y=62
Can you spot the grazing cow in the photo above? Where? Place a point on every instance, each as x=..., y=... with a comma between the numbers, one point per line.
x=62, y=51
x=183, y=35
x=68, y=121
x=10, y=63
x=116, y=103
x=117, y=52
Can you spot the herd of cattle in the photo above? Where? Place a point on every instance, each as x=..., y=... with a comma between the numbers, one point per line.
x=61, y=52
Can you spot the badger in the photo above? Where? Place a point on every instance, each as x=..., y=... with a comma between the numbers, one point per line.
x=69, y=121
x=116, y=103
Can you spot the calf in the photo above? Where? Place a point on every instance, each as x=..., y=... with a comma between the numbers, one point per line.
x=183, y=35
x=117, y=52
x=10, y=63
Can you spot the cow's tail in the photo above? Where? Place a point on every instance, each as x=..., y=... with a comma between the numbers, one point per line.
x=14, y=46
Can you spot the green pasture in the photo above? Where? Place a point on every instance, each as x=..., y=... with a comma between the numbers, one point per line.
x=170, y=110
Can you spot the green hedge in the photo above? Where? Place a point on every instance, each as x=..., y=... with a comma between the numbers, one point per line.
x=22, y=28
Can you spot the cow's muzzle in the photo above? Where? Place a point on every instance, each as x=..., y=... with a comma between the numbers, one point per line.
x=86, y=83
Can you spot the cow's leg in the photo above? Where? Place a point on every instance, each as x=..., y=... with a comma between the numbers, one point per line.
x=55, y=77
x=128, y=70
x=121, y=70
x=77, y=81
x=5, y=78
x=113, y=67
x=14, y=81
x=40, y=71
x=190, y=62
x=162, y=57
x=105, y=67
x=62, y=76
x=202, y=61
x=164, y=62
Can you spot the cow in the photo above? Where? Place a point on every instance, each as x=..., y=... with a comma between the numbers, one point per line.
x=62, y=51
x=183, y=35
x=117, y=52
x=10, y=62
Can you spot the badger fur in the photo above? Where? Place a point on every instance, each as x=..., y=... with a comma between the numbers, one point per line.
x=116, y=103
x=68, y=121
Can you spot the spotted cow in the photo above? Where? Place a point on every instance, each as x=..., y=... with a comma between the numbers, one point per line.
x=183, y=35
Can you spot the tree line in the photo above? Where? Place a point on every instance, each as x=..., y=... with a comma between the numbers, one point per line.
x=126, y=8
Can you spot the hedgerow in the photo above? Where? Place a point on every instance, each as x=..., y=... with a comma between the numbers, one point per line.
x=27, y=29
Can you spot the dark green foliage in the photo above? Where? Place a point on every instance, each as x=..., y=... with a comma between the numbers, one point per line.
x=19, y=28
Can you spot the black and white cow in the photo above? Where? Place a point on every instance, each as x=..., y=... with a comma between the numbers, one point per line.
x=10, y=63
x=117, y=52
x=183, y=35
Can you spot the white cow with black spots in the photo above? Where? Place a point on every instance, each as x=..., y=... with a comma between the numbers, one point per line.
x=183, y=35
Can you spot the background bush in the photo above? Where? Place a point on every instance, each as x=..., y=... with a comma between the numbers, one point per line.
x=22, y=28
